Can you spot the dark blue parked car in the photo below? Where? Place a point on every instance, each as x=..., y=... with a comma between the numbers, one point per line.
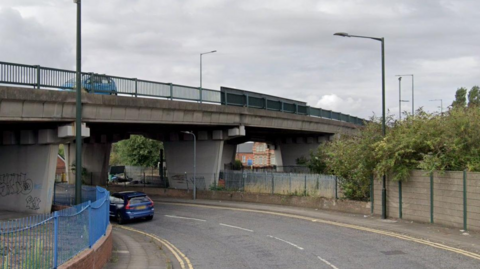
x=130, y=205
x=98, y=84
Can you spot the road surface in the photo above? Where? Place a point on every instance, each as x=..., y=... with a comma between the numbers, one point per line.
x=224, y=238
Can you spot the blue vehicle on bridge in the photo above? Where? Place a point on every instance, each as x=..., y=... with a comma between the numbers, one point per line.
x=129, y=205
x=98, y=84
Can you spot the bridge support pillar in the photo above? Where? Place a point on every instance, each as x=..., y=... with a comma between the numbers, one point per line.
x=212, y=154
x=294, y=149
x=96, y=158
x=28, y=161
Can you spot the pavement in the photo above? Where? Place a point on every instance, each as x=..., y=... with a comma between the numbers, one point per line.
x=132, y=250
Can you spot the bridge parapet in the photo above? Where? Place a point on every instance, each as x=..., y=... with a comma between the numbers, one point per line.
x=45, y=77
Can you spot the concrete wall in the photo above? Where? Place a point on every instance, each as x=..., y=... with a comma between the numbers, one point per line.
x=448, y=199
x=27, y=174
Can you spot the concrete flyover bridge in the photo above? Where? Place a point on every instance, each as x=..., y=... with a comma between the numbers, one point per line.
x=34, y=122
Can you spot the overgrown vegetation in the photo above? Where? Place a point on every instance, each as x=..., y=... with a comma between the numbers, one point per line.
x=448, y=141
x=136, y=151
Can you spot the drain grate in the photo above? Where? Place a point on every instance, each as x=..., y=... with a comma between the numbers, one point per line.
x=393, y=252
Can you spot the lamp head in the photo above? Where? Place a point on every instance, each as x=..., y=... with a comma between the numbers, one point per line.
x=342, y=34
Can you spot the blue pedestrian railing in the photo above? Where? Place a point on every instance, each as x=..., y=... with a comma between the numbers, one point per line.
x=45, y=77
x=49, y=240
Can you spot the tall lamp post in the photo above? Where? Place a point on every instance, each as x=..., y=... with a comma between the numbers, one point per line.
x=201, y=54
x=413, y=90
x=78, y=118
x=441, y=105
x=382, y=40
x=400, y=98
x=194, y=163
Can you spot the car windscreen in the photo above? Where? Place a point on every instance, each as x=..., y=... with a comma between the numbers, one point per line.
x=139, y=200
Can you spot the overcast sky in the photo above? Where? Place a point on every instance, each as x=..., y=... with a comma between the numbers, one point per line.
x=280, y=47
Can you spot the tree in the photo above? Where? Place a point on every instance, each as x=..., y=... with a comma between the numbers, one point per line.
x=137, y=151
x=474, y=97
x=460, y=98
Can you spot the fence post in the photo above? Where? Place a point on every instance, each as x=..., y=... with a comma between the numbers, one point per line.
x=136, y=88
x=400, y=214
x=107, y=211
x=265, y=180
x=273, y=184
x=336, y=187
x=290, y=181
x=171, y=91
x=431, y=197
x=465, y=200
x=92, y=84
x=305, y=186
x=90, y=236
x=372, y=195
x=55, y=239
x=200, y=92
x=38, y=76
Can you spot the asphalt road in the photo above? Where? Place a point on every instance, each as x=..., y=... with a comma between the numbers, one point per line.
x=221, y=238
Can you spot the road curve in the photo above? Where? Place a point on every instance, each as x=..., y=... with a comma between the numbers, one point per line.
x=220, y=238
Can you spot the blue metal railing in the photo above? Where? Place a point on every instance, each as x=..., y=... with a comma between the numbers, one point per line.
x=49, y=240
x=44, y=77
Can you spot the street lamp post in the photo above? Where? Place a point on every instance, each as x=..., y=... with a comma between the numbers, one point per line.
x=201, y=54
x=78, y=118
x=400, y=98
x=194, y=163
x=384, y=184
x=441, y=105
x=413, y=90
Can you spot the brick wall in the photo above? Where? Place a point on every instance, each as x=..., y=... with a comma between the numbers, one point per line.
x=448, y=198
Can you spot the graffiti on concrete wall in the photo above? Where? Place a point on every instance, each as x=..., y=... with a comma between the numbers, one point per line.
x=11, y=184
x=33, y=203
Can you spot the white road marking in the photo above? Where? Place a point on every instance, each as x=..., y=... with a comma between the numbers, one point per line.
x=285, y=241
x=121, y=251
x=236, y=227
x=325, y=261
x=178, y=217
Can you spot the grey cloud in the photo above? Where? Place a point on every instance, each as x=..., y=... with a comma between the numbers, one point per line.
x=276, y=47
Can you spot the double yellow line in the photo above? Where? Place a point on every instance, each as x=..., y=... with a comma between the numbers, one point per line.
x=356, y=227
x=181, y=258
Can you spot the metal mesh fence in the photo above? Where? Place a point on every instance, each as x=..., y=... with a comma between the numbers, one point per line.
x=65, y=194
x=279, y=183
x=49, y=240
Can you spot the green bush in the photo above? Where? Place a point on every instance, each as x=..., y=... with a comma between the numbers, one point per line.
x=447, y=141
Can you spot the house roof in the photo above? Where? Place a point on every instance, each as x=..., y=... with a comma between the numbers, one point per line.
x=245, y=148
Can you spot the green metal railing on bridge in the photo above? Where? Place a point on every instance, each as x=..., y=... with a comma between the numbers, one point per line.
x=45, y=77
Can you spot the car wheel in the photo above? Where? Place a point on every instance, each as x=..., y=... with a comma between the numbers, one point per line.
x=149, y=218
x=120, y=220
